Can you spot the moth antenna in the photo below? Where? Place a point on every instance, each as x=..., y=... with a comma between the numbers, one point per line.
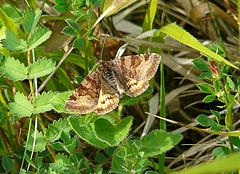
x=103, y=47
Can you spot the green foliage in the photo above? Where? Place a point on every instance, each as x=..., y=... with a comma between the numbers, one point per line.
x=21, y=106
x=112, y=134
x=30, y=20
x=41, y=68
x=42, y=102
x=97, y=143
x=12, y=43
x=13, y=69
x=37, y=37
x=205, y=88
x=55, y=129
x=205, y=121
x=40, y=143
x=7, y=163
x=62, y=165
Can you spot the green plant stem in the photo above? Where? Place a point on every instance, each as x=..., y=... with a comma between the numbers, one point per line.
x=161, y=158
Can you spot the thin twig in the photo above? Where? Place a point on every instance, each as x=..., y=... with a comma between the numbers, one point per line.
x=59, y=64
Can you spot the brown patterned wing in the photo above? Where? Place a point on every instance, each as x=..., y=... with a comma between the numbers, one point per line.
x=85, y=98
x=138, y=67
x=108, y=99
x=130, y=86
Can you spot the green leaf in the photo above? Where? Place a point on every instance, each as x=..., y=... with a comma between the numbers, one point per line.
x=21, y=107
x=13, y=43
x=7, y=163
x=30, y=20
x=60, y=1
x=39, y=162
x=13, y=69
x=201, y=64
x=100, y=157
x=54, y=130
x=9, y=24
x=69, y=31
x=112, y=134
x=231, y=83
x=216, y=128
x=37, y=37
x=85, y=129
x=222, y=165
x=41, y=68
x=30, y=161
x=126, y=100
x=184, y=37
x=62, y=8
x=209, y=98
x=217, y=115
x=205, y=88
x=97, y=3
x=40, y=143
x=118, y=5
x=206, y=75
x=59, y=100
x=73, y=24
x=216, y=86
x=150, y=16
x=78, y=43
x=62, y=165
x=158, y=142
x=42, y=102
x=205, y=121
x=58, y=146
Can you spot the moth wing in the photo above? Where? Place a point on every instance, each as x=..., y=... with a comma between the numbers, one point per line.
x=131, y=86
x=138, y=67
x=108, y=99
x=85, y=98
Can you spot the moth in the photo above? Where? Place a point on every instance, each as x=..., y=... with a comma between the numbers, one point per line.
x=101, y=90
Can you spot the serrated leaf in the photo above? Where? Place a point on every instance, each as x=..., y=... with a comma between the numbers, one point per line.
x=112, y=134
x=205, y=88
x=40, y=143
x=200, y=64
x=37, y=37
x=41, y=68
x=209, y=98
x=54, y=130
x=13, y=43
x=30, y=20
x=13, y=69
x=62, y=165
x=158, y=142
x=205, y=121
x=21, y=106
x=42, y=102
